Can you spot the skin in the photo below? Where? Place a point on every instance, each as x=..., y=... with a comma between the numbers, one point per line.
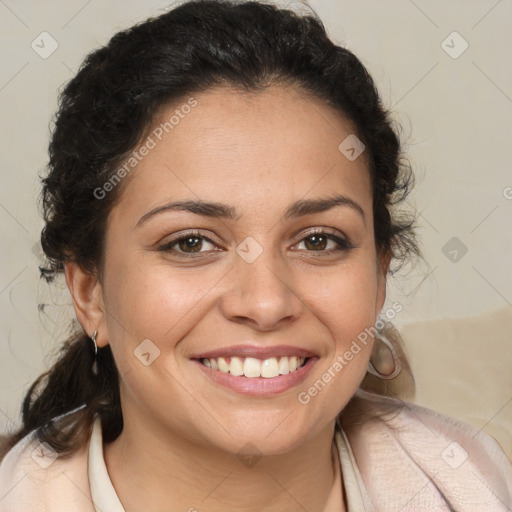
x=258, y=153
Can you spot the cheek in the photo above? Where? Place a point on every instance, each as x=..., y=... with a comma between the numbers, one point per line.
x=345, y=306
x=345, y=299
x=155, y=301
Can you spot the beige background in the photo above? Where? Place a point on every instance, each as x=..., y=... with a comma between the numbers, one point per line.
x=456, y=115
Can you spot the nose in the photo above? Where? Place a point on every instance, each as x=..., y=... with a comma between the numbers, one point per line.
x=261, y=294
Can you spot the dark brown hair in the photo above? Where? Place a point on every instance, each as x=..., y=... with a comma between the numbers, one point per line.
x=106, y=109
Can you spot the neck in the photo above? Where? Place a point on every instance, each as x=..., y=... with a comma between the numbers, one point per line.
x=168, y=468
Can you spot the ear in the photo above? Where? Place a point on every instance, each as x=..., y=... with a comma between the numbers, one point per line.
x=87, y=295
x=383, y=261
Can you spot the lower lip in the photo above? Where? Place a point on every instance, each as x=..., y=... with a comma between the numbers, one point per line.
x=259, y=386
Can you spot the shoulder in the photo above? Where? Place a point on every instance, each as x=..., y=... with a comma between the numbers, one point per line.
x=461, y=464
x=34, y=478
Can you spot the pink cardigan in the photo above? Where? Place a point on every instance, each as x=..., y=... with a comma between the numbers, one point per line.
x=413, y=460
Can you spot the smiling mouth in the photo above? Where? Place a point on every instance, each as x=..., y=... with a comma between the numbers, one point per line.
x=251, y=367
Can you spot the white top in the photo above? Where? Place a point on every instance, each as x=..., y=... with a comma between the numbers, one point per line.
x=352, y=479
x=104, y=495
x=453, y=464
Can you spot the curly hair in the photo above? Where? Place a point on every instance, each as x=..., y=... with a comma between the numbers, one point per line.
x=106, y=110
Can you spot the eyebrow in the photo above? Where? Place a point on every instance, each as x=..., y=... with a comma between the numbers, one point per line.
x=222, y=211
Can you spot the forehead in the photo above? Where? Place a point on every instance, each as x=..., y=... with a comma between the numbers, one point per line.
x=280, y=142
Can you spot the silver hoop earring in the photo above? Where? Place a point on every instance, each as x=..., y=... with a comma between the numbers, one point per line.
x=95, y=363
x=381, y=357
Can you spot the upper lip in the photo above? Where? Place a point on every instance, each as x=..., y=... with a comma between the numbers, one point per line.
x=257, y=352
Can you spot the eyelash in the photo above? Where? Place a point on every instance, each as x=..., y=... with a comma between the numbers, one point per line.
x=343, y=244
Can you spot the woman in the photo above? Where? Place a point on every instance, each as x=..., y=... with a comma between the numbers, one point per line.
x=220, y=199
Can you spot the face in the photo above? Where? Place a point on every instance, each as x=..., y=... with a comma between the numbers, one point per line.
x=269, y=281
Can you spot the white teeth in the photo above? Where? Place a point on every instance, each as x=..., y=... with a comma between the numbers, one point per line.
x=284, y=366
x=270, y=368
x=223, y=365
x=251, y=367
x=236, y=367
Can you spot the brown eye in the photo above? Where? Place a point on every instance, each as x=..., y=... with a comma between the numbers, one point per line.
x=191, y=243
x=318, y=241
